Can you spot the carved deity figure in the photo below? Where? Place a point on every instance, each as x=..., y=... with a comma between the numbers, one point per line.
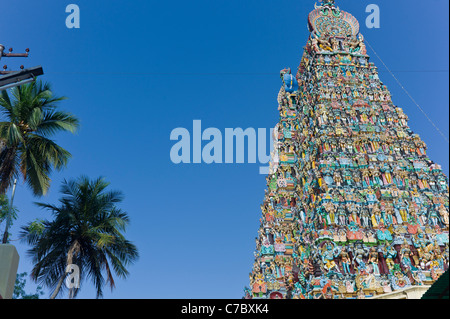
x=328, y=254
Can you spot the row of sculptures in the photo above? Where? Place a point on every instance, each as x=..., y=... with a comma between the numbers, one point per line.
x=353, y=207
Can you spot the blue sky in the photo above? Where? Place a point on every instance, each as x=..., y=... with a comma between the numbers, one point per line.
x=135, y=70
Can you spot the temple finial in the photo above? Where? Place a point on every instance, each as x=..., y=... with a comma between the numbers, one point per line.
x=328, y=3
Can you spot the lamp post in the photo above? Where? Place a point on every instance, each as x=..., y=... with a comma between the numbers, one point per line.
x=16, y=78
x=9, y=258
x=9, y=79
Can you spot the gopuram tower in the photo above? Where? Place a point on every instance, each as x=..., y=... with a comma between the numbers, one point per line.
x=354, y=208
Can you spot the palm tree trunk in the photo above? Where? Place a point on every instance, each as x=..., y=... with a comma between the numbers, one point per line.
x=9, y=216
x=74, y=249
x=58, y=287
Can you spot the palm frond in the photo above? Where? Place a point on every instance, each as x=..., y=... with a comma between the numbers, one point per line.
x=30, y=118
x=86, y=214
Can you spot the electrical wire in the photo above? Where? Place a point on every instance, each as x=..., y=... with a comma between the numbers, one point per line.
x=407, y=93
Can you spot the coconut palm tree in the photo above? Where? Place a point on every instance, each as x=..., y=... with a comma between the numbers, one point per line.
x=30, y=118
x=86, y=232
x=8, y=213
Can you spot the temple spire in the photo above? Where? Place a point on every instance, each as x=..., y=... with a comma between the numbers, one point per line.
x=329, y=3
x=354, y=208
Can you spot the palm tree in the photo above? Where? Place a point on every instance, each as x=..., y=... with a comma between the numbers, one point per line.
x=8, y=213
x=30, y=118
x=86, y=232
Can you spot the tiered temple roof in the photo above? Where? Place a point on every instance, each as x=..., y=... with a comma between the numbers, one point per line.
x=354, y=207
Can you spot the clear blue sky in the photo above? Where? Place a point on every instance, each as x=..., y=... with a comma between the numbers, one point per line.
x=136, y=70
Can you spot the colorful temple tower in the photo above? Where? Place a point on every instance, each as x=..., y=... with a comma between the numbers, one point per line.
x=354, y=207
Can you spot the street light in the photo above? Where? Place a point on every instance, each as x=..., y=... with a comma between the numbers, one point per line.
x=9, y=79
x=9, y=258
x=16, y=78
